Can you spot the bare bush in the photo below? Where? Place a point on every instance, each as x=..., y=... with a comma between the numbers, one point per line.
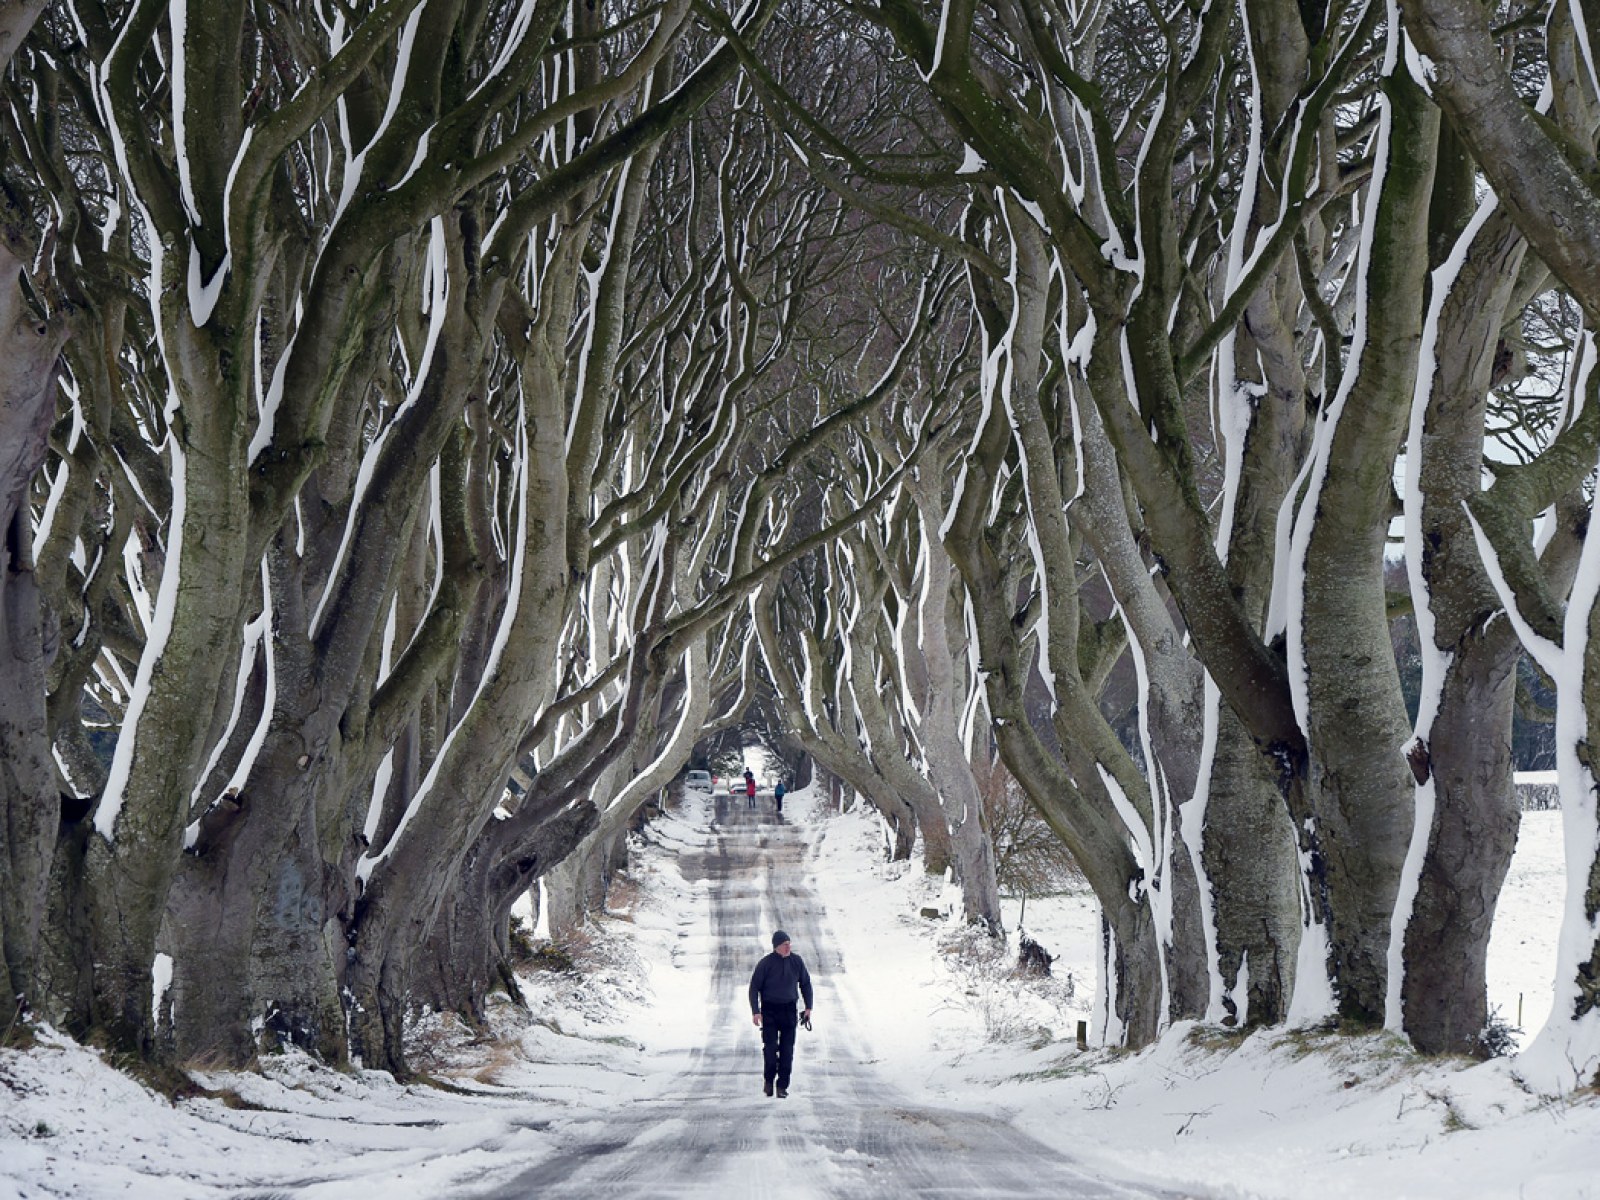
x=1029, y=860
x=989, y=984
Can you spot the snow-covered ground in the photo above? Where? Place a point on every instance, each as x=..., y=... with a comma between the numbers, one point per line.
x=1277, y=1114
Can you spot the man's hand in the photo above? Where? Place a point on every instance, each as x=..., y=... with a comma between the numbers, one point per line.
x=806, y=1016
x=756, y=1019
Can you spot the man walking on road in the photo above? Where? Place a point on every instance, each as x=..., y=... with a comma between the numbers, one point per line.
x=750, y=786
x=780, y=980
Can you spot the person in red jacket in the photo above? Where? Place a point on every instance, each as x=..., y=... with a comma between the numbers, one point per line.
x=776, y=988
x=750, y=786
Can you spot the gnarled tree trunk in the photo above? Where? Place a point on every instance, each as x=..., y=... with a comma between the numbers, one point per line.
x=29, y=804
x=1351, y=705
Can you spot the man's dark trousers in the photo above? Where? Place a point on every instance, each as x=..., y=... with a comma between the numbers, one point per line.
x=778, y=1023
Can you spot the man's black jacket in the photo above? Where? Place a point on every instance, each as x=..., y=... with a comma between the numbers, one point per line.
x=779, y=980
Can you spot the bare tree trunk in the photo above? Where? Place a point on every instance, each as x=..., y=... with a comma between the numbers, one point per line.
x=1565, y=1056
x=253, y=918
x=576, y=886
x=406, y=881
x=269, y=881
x=887, y=747
x=1470, y=838
x=16, y=19
x=564, y=900
x=1248, y=843
x=948, y=763
x=1461, y=758
x=65, y=962
x=468, y=952
x=253, y=930
x=141, y=816
x=1351, y=705
x=1079, y=812
x=29, y=805
x=1172, y=723
x=1524, y=156
x=1249, y=852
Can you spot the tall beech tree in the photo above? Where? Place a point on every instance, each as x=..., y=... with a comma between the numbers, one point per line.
x=29, y=345
x=1537, y=157
x=1184, y=235
x=299, y=194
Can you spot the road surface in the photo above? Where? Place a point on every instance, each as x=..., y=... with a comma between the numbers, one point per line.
x=844, y=1131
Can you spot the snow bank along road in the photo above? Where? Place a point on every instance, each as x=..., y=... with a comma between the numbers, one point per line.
x=843, y=1132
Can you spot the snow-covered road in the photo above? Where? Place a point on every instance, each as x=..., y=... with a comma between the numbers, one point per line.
x=844, y=1130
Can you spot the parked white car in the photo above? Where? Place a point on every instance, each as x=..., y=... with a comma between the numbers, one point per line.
x=697, y=781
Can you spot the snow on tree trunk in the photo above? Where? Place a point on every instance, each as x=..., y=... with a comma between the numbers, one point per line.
x=1260, y=406
x=1523, y=152
x=251, y=923
x=1247, y=845
x=1524, y=155
x=405, y=881
x=1171, y=725
x=811, y=720
x=29, y=803
x=140, y=819
x=273, y=849
x=865, y=669
x=947, y=695
x=1346, y=683
x=468, y=951
x=1565, y=1055
x=1467, y=814
x=1087, y=809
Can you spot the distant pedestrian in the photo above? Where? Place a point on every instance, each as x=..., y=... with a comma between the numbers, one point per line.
x=750, y=786
x=779, y=982
x=777, y=795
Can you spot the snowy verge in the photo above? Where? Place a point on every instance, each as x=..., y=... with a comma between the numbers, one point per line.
x=1262, y=1115
x=73, y=1125
x=1278, y=1113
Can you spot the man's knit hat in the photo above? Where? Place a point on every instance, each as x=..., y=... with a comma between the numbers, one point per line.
x=779, y=939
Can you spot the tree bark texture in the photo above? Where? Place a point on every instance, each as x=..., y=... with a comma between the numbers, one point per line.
x=1565, y=1055
x=1262, y=398
x=1248, y=848
x=406, y=882
x=940, y=626
x=1354, y=715
x=468, y=951
x=1078, y=807
x=1462, y=758
x=270, y=882
x=16, y=19
x=29, y=804
x=1171, y=718
x=1530, y=162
